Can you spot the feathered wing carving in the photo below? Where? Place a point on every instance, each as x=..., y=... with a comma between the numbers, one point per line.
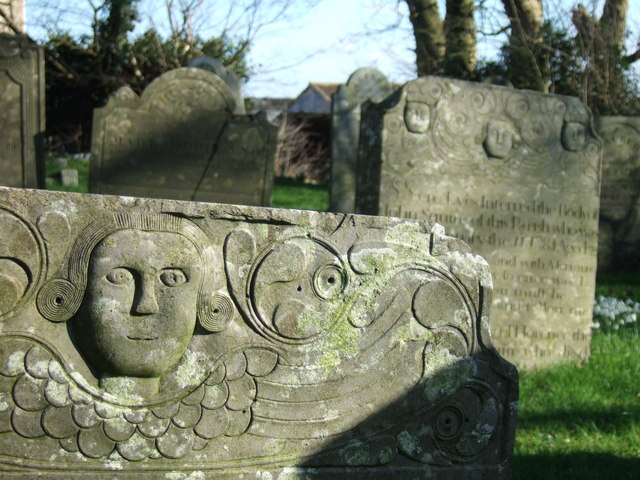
x=39, y=398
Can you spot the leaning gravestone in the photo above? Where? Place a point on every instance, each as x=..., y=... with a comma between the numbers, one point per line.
x=22, y=118
x=165, y=338
x=516, y=174
x=365, y=84
x=179, y=140
x=619, y=194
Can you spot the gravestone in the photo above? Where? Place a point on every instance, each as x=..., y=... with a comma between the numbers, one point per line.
x=22, y=119
x=179, y=140
x=365, y=84
x=214, y=65
x=516, y=174
x=619, y=208
x=166, y=339
x=69, y=177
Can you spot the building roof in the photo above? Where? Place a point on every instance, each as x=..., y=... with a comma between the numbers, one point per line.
x=325, y=90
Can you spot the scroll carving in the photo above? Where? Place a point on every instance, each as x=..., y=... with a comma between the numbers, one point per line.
x=171, y=337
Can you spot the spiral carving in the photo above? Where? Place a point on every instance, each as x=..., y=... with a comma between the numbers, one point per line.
x=217, y=313
x=58, y=300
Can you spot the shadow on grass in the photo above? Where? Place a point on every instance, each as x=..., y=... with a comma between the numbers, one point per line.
x=619, y=284
x=583, y=466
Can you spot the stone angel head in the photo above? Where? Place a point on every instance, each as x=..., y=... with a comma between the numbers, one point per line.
x=136, y=286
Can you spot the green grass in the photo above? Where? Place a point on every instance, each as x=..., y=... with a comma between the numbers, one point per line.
x=582, y=421
x=53, y=174
x=289, y=193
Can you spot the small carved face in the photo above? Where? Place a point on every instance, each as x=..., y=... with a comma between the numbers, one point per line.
x=499, y=141
x=139, y=308
x=417, y=116
x=574, y=136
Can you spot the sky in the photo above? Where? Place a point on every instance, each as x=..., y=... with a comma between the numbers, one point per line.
x=316, y=40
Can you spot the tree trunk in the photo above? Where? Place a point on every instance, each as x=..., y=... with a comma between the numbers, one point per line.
x=428, y=31
x=601, y=42
x=527, y=61
x=613, y=22
x=460, y=31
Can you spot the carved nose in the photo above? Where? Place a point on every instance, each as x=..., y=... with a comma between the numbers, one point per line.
x=145, y=302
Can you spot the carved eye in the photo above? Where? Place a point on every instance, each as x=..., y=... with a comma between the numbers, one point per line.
x=328, y=281
x=173, y=277
x=118, y=276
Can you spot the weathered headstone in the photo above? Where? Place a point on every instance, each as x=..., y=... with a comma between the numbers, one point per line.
x=179, y=140
x=516, y=174
x=169, y=338
x=365, y=84
x=69, y=177
x=22, y=119
x=618, y=246
x=214, y=65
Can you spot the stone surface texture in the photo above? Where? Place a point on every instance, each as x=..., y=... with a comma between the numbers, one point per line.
x=619, y=207
x=365, y=84
x=169, y=339
x=180, y=140
x=22, y=121
x=516, y=174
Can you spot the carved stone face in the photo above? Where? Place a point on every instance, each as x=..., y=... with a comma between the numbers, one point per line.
x=139, y=309
x=417, y=116
x=499, y=141
x=573, y=136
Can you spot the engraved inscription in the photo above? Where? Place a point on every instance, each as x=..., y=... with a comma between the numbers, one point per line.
x=533, y=214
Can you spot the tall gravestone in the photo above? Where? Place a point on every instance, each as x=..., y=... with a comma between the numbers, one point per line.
x=619, y=240
x=22, y=121
x=516, y=174
x=180, y=140
x=166, y=339
x=365, y=84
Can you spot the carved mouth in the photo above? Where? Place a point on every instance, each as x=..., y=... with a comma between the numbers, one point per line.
x=142, y=337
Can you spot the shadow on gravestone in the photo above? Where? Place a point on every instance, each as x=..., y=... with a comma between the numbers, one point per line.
x=365, y=84
x=619, y=207
x=179, y=140
x=159, y=337
x=514, y=173
x=22, y=122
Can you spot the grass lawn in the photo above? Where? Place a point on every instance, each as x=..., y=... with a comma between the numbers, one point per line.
x=53, y=174
x=290, y=193
x=583, y=421
x=575, y=421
